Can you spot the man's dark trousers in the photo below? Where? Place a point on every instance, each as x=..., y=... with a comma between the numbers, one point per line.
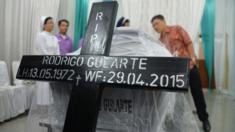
x=198, y=97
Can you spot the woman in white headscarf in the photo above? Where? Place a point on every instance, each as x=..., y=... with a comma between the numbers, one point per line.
x=49, y=105
x=46, y=44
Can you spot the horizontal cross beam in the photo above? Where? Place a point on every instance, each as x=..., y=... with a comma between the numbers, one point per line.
x=143, y=72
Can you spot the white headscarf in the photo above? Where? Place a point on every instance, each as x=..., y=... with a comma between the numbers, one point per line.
x=42, y=20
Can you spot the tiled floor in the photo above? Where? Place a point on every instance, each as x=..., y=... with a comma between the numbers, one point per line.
x=220, y=107
x=14, y=125
x=222, y=112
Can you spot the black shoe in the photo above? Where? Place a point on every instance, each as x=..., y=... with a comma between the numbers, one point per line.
x=206, y=126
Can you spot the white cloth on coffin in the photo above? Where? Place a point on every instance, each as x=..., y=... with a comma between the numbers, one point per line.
x=152, y=111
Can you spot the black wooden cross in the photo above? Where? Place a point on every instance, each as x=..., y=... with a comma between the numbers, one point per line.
x=94, y=69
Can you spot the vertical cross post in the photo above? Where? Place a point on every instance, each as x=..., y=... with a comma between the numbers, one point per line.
x=85, y=98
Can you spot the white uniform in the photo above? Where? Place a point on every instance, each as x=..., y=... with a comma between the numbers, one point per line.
x=46, y=44
x=50, y=99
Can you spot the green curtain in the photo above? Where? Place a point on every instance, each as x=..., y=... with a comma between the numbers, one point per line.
x=81, y=13
x=208, y=31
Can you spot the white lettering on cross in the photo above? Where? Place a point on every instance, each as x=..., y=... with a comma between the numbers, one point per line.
x=45, y=60
x=123, y=63
x=142, y=64
x=94, y=37
x=133, y=62
x=96, y=27
x=90, y=61
x=98, y=75
x=99, y=16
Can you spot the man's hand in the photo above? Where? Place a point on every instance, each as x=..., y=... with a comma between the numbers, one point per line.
x=193, y=58
x=193, y=62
